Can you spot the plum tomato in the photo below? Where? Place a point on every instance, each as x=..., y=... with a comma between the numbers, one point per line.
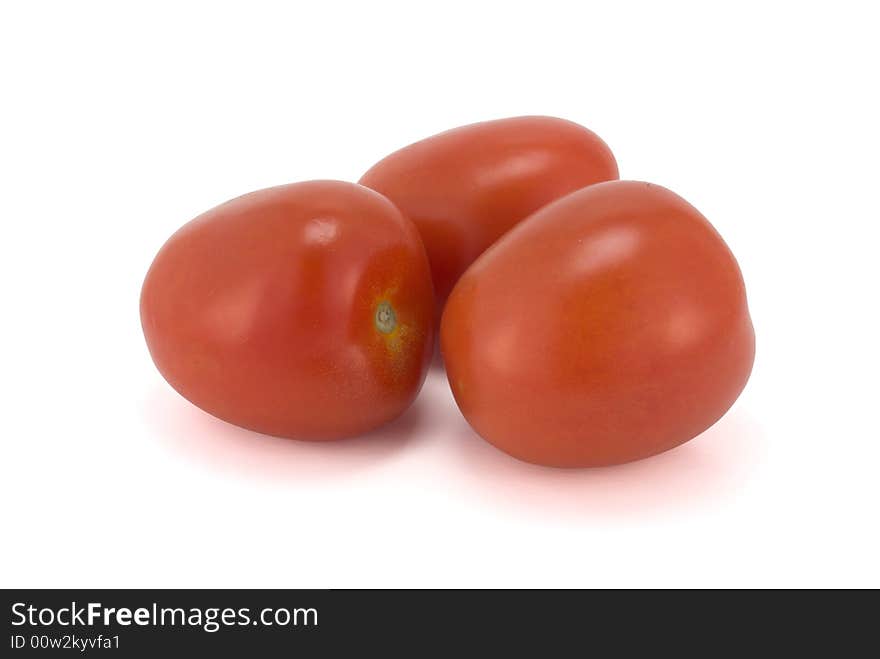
x=304, y=310
x=609, y=326
x=466, y=187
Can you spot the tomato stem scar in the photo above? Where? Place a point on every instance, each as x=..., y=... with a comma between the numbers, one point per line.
x=385, y=319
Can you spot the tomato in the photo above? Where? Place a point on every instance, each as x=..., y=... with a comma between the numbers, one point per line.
x=609, y=326
x=466, y=187
x=304, y=310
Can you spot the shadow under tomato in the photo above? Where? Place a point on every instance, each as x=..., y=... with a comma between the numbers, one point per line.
x=437, y=365
x=205, y=439
x=705, y=471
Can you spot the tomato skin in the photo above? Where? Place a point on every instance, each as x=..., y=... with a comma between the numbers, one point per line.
x=466, y=187
x=609, y=326
x=266, y=310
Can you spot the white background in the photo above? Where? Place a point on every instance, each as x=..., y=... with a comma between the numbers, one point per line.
x=121, y=121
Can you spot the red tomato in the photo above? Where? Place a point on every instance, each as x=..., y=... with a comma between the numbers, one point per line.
x=466, y=187
x=302, y=311
x=609, y=326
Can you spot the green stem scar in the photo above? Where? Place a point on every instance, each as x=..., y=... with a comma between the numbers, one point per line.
x=385, y=319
